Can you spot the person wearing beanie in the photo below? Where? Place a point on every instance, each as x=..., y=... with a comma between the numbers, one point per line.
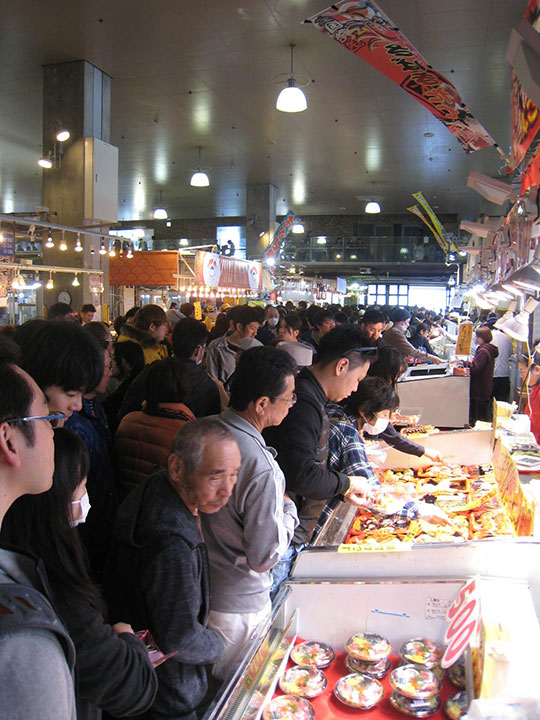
x=395, y=337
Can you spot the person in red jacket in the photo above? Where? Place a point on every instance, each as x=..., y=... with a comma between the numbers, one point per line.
x=482, y=368
x=144, y=438
x=531, y=372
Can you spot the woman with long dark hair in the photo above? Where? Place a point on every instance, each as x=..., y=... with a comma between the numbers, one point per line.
x=112, y=667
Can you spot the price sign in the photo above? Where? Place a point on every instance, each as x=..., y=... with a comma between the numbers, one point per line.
x=462, y=618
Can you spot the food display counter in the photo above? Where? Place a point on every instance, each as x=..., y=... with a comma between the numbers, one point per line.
x=396, y=601
x=443, y=397
x=400, y=594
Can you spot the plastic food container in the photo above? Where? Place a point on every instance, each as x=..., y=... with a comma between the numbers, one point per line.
x=312, y=654
x=456, y=673
x=368, y=647
x=415, y=707
x=289, y=707
x=359, y=691
x=456, y=706
x=253, y=706
x=415, y=682
x=303, y=681
x=422, y=651
x=377, y=670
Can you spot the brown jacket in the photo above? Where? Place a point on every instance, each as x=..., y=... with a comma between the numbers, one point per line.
x=143, y=443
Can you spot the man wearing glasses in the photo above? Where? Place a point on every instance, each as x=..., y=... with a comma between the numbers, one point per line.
x=246, y=538
x=301, y=439
x=36, y=653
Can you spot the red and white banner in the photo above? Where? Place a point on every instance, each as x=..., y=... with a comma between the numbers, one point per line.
x=363, y=28
x=525, y=123
x=215, y=270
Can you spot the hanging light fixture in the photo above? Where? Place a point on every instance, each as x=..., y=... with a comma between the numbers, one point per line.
x=78, y=246
x=451, y=281
x=112, y=251
x=160, y=213
x=297, y=228
x=50, y=283
x=49, y=243
x=102, y=249
x=129, y=253
x=372, y=207
x=199, y=178
x=76, y=282
x=518, y=327
x=291, y=99
x=63, y=246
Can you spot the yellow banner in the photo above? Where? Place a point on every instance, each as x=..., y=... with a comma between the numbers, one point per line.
x=464, y=338
x=416, y=211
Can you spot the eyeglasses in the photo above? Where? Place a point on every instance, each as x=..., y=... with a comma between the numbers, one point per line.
x=50, y=418
x=290, y=401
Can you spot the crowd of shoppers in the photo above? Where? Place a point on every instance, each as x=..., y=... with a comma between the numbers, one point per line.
x=191, y=462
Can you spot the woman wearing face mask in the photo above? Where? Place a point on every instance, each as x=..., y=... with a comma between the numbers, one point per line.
x=112, y=667
x=366, y=413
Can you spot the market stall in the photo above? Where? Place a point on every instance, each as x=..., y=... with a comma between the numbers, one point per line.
x=429, y=387
x=402, y=591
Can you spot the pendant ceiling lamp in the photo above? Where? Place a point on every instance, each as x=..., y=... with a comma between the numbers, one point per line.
x=199, y=178
x=518, y=327
x=160, y=213
x=372, y=207
x=291, y=99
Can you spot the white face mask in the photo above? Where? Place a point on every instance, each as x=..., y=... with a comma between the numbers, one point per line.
x=84, y=502
x=380, y=426
x=272, y=322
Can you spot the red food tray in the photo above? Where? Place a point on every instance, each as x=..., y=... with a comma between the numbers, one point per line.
x=328, y=706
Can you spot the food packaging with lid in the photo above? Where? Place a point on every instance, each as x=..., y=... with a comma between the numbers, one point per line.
x=289, y=707
x=368, y=647
x=421, y=651
x=456, y=673
x=377, y=670
x=312, y=654
x=415, y=682
x=303, y=681
x=359, y=691
x=415, y=707
x=456, y=706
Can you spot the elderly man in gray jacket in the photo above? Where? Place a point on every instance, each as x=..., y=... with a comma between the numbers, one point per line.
x=247, y=537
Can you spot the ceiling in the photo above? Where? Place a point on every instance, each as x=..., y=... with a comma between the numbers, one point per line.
x=203, y=73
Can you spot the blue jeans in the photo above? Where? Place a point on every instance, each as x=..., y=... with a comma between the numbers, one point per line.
x=281, y=571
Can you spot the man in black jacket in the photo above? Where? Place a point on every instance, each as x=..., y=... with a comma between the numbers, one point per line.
x=301, y=440
x=158, y=576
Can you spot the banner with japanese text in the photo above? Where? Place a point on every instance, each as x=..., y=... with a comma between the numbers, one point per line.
x=272, y=251
x=363, y=28
x=214, y=270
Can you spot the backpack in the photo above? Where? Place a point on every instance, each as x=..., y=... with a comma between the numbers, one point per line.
x=22, y=606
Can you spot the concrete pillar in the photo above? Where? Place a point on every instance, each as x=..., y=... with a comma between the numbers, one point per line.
x=260, y=218
x=76, y=96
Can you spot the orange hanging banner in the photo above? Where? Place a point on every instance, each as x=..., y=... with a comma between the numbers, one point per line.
x=144, y=269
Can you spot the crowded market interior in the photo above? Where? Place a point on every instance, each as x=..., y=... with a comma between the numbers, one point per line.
x=269, y=360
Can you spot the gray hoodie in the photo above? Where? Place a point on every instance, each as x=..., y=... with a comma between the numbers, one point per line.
x=247, y=537
x=35, y=680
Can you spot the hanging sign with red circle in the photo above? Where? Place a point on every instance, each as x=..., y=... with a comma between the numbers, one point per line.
x=462, y=618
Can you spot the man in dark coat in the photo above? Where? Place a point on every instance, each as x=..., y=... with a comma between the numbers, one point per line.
x=158, y=576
